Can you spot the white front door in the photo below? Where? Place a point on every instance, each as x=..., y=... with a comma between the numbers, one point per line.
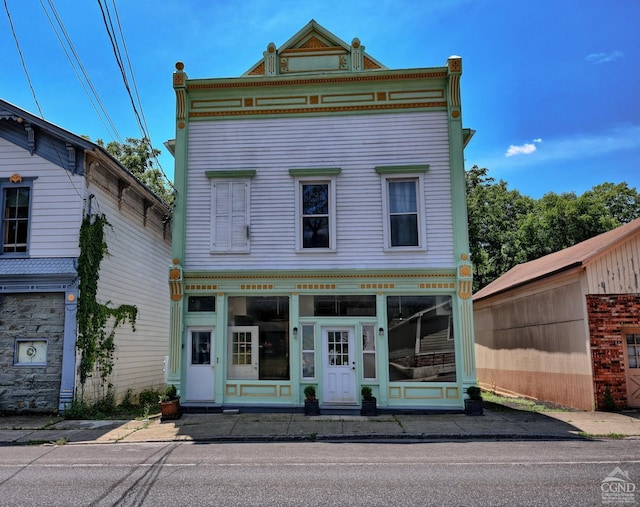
x=339, y=368
x=243, y=352
x=200, y=377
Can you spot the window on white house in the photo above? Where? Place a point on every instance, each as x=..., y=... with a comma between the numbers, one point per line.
x=403, y=206
x=403, y=212
x=15, y=221
x=315, y=208
x=230, y=213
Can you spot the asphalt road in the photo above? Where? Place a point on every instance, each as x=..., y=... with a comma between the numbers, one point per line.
x=536, y=473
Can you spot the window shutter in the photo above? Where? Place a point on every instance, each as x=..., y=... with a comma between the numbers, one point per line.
x=229, y=217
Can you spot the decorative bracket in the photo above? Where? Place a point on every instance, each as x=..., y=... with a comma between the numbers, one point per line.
x=31, y=138
x=72, y=157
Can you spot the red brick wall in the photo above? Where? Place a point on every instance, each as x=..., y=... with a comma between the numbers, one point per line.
x=608, y=315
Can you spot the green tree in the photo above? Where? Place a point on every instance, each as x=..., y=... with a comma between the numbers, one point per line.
x=495, y=213
x=507, y=228
x=139, y=157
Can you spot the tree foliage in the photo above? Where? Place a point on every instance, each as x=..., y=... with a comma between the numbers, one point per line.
x=507, y=228
x=139, y=157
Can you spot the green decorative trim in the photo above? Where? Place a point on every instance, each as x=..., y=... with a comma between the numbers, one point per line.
x=321, y=171
x=402, y=169
x=237, y=173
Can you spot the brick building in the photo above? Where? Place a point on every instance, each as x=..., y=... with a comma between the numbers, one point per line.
x=566, y=327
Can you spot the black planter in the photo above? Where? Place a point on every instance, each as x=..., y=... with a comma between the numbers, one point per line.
x=473, y=407
x=311, y=407
x=369, y=407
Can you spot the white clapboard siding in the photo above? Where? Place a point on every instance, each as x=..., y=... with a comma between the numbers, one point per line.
x=57, y=200
x=617, y=271
x=355, y=144
x=135, y=273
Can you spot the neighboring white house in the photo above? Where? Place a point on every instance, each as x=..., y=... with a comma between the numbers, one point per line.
x=320, y=232
x=49, y=180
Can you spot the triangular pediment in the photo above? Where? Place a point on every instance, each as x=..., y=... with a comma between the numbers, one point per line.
x=314, y=50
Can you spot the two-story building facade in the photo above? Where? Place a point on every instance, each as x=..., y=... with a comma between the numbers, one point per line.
x=50, y=180
x=320, y=232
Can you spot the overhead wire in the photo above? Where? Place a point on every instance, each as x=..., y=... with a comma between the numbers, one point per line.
x=34, y=95
x=137, y=109
x=94, y=96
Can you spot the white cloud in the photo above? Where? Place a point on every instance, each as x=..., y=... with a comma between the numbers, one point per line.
x=576, y=147
x=604, y=57
x=524, y=149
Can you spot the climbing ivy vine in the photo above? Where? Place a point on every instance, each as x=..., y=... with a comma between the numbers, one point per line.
x=95, y=344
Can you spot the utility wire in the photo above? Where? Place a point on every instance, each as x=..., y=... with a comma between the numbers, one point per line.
x=108, y=23
x=33, y=93
x=87, y=80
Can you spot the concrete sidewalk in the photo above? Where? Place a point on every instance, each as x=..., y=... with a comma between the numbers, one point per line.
x=243, y=427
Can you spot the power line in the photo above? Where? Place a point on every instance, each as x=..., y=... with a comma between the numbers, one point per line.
x=33, y=93
x=107, y=20
x=85, y=74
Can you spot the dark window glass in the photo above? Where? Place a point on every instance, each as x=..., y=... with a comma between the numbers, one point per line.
x=16, y=219
x=201, y=347
x=403, y=213
x=271, y=315
x=338, y=306
x=315, y=215
x=201, y=304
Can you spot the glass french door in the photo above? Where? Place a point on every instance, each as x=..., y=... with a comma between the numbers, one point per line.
x=339, y=368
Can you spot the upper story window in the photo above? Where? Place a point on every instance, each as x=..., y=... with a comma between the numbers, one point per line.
x=403, y=212
x=16, y=205
x=315, y=209
x=230, y=210
x=403, y=206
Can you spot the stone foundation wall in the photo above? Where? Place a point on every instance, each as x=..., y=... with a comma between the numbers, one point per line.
x=608, y=315
x=32, y=316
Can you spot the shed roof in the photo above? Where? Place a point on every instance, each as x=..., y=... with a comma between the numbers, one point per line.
x=574, y=256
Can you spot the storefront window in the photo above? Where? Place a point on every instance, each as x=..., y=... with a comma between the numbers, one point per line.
x=308, y=351
x=368, y=352
x=258, y=338
x=421, y=345
x=338, y=306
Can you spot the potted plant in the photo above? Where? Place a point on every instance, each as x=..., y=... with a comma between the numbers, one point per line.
x=170, y=403
x=311, y=405
x=369, y=405
x=473, y=404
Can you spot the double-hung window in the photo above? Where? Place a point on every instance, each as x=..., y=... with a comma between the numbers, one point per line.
x=403, y=206
x=230, y=210
x=315, y=209
x=16, y=201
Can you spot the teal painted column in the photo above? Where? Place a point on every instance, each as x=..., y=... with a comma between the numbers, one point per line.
x=176, y=326
x=180, y=167
x=467, y=366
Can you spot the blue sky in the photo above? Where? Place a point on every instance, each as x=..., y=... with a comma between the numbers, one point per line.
x=552, y=87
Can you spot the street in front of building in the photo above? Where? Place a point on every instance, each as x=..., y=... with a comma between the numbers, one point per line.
x=571, y=472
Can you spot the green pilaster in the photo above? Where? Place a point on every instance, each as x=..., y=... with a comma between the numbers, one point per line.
x=180, y=168
x=466, y=358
